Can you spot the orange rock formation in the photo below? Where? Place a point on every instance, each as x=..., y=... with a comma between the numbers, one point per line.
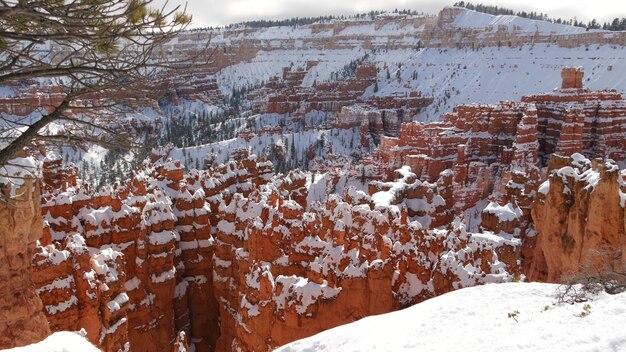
x=578, y=210
x=21, y=319
x=138, y=265
x=572, y=78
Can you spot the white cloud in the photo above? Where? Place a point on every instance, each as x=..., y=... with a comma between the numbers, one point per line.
x=222, y=12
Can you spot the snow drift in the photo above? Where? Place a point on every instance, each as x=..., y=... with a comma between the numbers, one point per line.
x=477, y=319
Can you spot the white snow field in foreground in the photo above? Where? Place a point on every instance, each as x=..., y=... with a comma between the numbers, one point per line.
x=63, y=341
x=477, y=319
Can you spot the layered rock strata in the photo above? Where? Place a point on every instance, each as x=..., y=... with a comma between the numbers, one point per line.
x=282, y=273
x=481, y=144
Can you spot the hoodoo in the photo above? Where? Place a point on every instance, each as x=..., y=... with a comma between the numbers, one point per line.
x=572, y=77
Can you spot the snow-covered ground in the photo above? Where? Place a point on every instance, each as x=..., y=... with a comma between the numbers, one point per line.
x=480, y=20
x=477, y=319
x=296, y=145
x=269, y=64
x=63, y=341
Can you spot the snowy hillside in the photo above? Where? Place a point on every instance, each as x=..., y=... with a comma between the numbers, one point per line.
x=489, y=75
x=480, y=20
x=477, y=319
x=451, y=76
x=59, y=342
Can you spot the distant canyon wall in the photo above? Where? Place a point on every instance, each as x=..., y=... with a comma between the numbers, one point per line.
x=388, y=33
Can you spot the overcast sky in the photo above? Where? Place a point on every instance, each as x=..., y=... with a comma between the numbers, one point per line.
x=222, y=12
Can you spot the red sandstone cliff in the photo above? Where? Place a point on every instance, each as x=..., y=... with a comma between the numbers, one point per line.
x=282, y=273
x=141, y=260
x=21, y=319
x=272, y=272
x=579, y=209
x=128, y=264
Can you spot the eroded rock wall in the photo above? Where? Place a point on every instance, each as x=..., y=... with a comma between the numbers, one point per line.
x=234, y=257
x=132, y=264
x=282, y=273
x=578, y=211
x=22, y=321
